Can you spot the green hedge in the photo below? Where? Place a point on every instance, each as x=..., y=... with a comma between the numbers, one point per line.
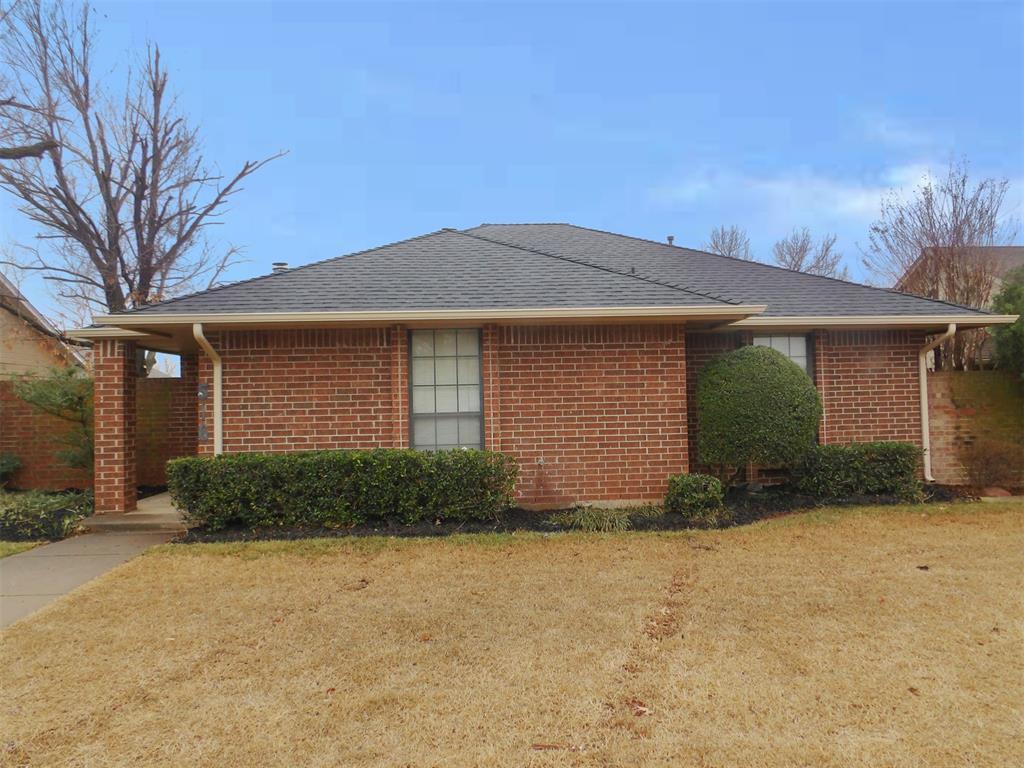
x=37, y=515
x=870, y=469
x=341, y=488
x=698, y=498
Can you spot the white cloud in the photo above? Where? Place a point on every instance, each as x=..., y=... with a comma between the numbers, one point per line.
x=769, y=206
x=893, y=132
x=795, y=197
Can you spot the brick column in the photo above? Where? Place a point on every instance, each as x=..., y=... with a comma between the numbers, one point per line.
x=491, y=387
x=115, y=380
x=399, y=343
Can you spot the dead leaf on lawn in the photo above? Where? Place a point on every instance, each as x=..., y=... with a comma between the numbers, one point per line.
x=638, y=708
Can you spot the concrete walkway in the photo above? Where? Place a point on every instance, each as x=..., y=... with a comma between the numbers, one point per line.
x=152, y=514
x=32, y=579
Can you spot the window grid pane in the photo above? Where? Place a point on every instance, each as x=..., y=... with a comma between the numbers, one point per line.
x=793, y=347
x=446, y=392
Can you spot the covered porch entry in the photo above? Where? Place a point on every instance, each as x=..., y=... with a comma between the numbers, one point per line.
x=131, y=444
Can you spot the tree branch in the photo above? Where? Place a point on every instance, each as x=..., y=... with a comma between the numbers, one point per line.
x=30, y=150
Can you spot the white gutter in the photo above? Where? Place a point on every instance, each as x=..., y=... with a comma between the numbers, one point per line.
x=218, y=410
x=880, y=321
x=922, y=378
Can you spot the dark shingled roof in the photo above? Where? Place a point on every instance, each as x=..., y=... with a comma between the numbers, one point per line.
x=533, y=266
x=786, y=293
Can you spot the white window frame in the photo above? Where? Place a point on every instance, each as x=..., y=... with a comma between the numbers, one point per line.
x=460, y=408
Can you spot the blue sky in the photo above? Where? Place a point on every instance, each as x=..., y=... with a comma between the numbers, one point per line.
x=643, y=119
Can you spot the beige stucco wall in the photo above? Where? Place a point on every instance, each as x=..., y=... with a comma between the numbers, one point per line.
x=23, y=348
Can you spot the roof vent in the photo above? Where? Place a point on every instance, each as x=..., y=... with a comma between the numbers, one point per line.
x=671, y=239
x=279, y=266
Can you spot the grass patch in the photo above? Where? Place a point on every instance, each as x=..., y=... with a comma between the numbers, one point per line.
x=837, y=637
x=14, y=547
x=593, y=519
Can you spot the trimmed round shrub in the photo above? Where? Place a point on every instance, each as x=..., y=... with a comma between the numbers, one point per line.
x=754, y=405
x=699, y=499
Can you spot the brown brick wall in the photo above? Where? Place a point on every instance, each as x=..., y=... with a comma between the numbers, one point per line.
x=398, y=350
x=308, y=389
x=868, y=385
x=970, y=406
x=31, y=436
x=166, y=428
x=166, y=422
x=867, y=381
x=593, y=413
x=603, y=407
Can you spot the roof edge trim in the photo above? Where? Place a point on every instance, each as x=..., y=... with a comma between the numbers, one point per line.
x=271, y=318
x=904, y=321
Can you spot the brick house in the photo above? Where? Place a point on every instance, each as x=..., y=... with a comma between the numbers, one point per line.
x=572, y=349
x=29, y=343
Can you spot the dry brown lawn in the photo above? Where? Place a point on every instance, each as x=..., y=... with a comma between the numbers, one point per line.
x=887, y=637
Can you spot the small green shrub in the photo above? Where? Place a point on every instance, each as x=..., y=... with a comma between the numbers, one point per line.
x=37, y=515
x=341, y=488
x=586, y=518
x=868, y=469
x=9, y=464
x=698, y=498
x=754, y=405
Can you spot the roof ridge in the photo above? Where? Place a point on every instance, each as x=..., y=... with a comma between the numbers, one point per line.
x=772, y=266
x=582, y=262
x=288, y=271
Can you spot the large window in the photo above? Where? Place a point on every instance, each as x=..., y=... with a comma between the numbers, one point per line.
x=793, y=347
x=445, y=384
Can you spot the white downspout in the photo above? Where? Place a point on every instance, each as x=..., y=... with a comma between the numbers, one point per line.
x=922, y=377
x=218, y=411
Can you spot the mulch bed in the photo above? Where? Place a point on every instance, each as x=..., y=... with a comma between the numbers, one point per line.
x=747, y=507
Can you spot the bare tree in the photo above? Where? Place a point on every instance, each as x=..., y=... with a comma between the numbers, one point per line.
x=729, y=241
x=932, y=243
x=122, y=194
x=12, y=146
x=799, y=253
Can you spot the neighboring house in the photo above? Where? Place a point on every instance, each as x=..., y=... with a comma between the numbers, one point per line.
x=574, y=350
x=29, y=343
x=980, y=266
x=997, y=260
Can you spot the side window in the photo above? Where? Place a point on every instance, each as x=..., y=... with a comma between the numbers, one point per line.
x=793, y=347
x=445, y=389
